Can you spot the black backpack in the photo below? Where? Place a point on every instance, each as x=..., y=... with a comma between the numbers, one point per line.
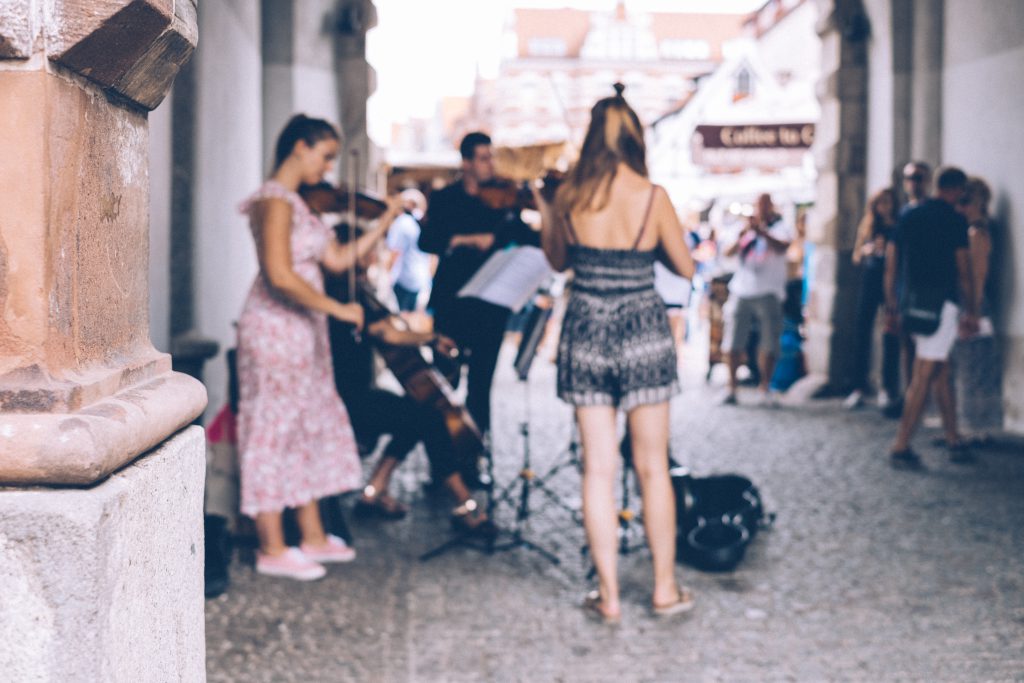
x=717, y=517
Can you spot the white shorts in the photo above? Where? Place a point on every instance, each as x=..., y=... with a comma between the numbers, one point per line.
x=938, y=345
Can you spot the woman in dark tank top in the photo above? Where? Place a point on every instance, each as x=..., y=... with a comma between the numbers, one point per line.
x=609, y=224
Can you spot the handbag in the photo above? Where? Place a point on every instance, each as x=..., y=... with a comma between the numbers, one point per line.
x=922, y=311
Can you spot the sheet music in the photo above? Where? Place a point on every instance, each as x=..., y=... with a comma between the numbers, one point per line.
x=509, y=277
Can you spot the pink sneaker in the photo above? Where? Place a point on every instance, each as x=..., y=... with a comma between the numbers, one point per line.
x=292, y=564
x=336, y=550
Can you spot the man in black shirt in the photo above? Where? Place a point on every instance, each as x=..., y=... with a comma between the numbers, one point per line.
x=464, y=231
x=930, y=246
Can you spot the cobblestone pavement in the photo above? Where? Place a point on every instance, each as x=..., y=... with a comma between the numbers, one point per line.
x=868, y=575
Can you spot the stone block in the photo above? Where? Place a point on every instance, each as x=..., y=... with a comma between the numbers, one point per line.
x=15, y=29
x=132, y=48
x=77, y=368
x=1013, y=391
x=106, y=583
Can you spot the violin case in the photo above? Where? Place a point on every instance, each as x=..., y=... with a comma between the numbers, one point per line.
x=717, y=517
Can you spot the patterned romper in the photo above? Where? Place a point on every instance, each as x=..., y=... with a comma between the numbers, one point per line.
x=295, y=441
x=616, y=347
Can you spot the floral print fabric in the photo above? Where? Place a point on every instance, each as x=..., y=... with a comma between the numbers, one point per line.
x=295, y=440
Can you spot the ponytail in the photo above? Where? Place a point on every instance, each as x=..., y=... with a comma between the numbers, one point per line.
x=302, y=127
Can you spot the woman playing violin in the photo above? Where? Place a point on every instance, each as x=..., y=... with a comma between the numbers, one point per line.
x=295, y=442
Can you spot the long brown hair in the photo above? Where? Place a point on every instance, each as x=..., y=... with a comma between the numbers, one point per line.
x=615, y=135
x=873, y=219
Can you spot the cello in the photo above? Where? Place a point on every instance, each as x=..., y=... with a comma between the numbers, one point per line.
x=424, y=383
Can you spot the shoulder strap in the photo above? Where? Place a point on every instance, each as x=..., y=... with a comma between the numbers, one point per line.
x=647, y=214
x=572, y=230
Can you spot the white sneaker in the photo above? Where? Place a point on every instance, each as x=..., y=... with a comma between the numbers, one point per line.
x=292, y=564
x=335, y=550
x=883, y=400
x=854, y=400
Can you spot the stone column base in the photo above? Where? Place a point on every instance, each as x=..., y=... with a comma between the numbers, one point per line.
x=106, y=583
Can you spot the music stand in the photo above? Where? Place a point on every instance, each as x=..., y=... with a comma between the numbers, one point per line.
x=527, y=480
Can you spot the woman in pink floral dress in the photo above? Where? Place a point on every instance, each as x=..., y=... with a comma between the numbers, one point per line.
x=295, y=441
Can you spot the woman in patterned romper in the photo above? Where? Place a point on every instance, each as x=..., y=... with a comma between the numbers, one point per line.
x=295, y=441
x=609, y=224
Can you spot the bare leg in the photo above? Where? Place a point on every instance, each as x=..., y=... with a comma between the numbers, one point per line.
x=310, y=526
x=600, y=516
x=734, y=365
x=648, y=427
x=381, y=477
x=914, y=402
x=458, y=488
x=947, y=402
x=767, y=369
x=270, y=533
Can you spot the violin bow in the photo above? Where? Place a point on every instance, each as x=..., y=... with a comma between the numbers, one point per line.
x=353, y=178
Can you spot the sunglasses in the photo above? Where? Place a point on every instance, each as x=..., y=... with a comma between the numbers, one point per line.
x=916, y=177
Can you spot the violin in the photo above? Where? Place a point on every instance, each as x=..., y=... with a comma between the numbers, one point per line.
x=506, y=194
x=326, y=198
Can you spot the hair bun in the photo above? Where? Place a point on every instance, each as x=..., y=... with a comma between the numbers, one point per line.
x=619, y=88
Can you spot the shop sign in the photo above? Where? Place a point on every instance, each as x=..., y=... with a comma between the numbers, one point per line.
x=759, y=146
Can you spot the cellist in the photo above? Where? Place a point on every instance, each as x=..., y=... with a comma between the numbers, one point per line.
x=375, y=411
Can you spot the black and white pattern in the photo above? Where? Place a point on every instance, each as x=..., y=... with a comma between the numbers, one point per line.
x=616, y=348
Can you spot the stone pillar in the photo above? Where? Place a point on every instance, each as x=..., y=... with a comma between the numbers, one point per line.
x=926, y=83
x=104, y=584
x=840, y=151
x=356, y=81
x=314, y=61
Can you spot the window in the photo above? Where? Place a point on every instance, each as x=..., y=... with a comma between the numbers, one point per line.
x=685, y=48
x=743, y=84
x=546, y=47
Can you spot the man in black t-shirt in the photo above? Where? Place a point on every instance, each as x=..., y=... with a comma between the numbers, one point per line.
x=930, y=247
x=463, y=231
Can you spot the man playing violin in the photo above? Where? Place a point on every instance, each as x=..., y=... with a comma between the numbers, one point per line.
x=375, y=411
x=464, y=231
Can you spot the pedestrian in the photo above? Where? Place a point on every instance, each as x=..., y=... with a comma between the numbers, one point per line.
x=609, y=224
x=873, y=236
x=294, y=439
x=410, y=267
x=930, y=246
x=756, y=292
x=978, y=375
x=917, y=186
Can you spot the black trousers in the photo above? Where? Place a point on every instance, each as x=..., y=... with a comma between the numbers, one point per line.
x=478, y=328
x=872, y=297
x=377, y=412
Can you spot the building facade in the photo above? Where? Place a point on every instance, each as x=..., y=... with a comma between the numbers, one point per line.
x=558, y=62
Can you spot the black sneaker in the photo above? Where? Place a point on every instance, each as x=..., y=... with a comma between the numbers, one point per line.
x=905, y=460
x=961, y=454
x=894, y=410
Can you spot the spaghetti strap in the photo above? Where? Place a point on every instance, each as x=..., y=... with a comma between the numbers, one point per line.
x=647, y=214
x=572, y=230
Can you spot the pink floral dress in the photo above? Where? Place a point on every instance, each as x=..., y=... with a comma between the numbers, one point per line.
x=295, y=440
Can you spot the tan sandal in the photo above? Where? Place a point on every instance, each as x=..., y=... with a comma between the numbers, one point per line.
x=683, y=603
x=593, y=607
